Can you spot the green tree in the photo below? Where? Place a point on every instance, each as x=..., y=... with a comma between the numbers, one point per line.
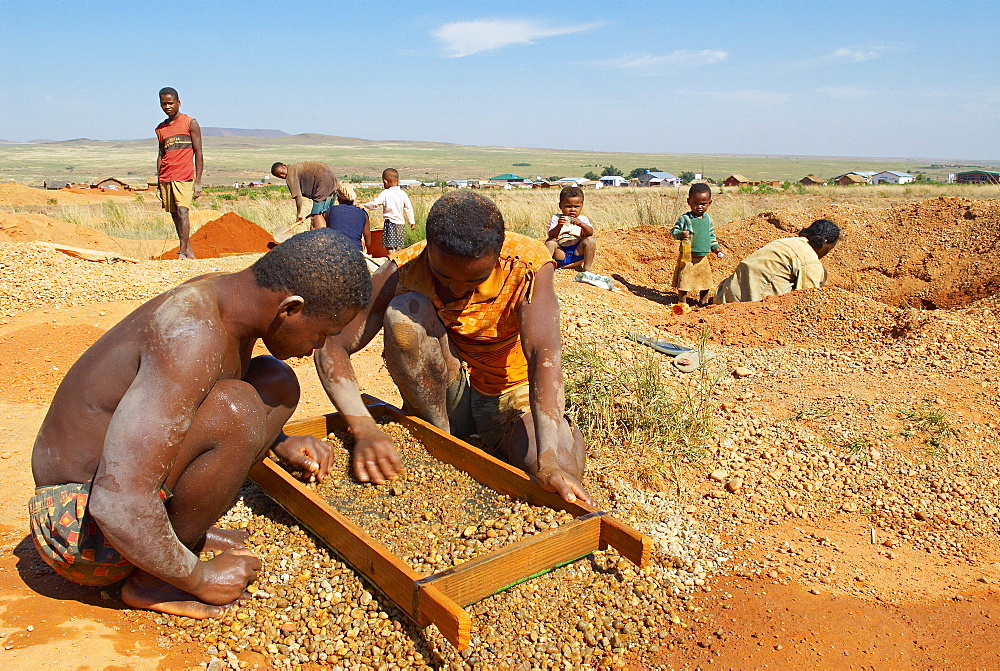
x=610, y=171
x=554, y=178
x=590, y=174
x=641, y=171
x=686, y=177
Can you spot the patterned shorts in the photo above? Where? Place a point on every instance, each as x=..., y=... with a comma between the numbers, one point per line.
x=68, y=539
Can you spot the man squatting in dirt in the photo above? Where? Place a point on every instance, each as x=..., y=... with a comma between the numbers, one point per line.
x=309, y=181
x=179, y=166
x=153, y=430
x=470, y=318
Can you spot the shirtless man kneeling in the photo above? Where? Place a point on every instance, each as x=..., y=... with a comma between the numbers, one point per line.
x=153, y=430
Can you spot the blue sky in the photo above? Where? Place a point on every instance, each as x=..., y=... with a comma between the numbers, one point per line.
x=888, y=79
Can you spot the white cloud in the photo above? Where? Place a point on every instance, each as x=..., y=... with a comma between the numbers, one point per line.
x=680, y=57
x=465, y=38
x=845, y=92
x=746, y=96
x=856, y=55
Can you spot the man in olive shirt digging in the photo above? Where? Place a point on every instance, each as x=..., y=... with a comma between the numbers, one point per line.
x=309, y=180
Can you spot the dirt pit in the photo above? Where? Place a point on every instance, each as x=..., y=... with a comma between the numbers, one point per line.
x=939, y=253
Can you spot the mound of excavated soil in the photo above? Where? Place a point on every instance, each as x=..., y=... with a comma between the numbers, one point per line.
x=814, y=317
x=939, y=253
x=23, y=227
x=100, y=192
x=19, y=194
x=229, y=234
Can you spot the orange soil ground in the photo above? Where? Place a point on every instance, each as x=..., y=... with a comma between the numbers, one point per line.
x=915, y=611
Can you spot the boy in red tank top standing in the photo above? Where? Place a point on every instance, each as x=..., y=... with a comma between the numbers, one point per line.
x=178, y=165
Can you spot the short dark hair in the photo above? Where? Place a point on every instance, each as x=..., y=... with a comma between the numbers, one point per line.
x=321, y=265
x=274, y=166
x=570, y=192
x=820, y=232
x=699, y=187
x=465, y=224
x=390, y=174
x=169, y=91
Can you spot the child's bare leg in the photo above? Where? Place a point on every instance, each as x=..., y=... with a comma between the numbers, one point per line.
x=553, y=246
x=589, y=247
x=520, y=449
x=681, y=296
x=703, y=298
x=419, y=357
x=235, y=425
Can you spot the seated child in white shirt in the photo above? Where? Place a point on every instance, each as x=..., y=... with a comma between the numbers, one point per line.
x=571, y=235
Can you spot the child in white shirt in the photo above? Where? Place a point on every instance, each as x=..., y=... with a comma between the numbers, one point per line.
x=571, y=235
x=395, y=204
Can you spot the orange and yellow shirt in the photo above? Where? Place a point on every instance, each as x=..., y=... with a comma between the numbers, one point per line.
x=485, y=327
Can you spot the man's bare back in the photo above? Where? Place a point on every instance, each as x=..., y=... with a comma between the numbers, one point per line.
x=165, y=414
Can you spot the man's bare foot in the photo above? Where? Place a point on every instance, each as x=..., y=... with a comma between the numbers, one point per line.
x=142, y=590
x=224, y=539
x=182, y=256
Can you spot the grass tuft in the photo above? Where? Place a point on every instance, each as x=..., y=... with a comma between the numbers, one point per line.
x=622, y=397
x=810, y=413
x=931, y=425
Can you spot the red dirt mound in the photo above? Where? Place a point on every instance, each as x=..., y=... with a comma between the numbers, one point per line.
x=827, y=317
x=229, y=234
x=938, y=253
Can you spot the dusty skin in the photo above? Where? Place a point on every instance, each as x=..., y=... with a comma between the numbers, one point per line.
x=914, y=609
x=182, y=406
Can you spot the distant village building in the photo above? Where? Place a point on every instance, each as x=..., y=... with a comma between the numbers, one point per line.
x=658, y=179
x=112, y=183
x=740, y=180
x=53, y=184
x=811, y=180
x=865, y=175
x=978, y=177
x=572, y=181
x=613, y=180
x=506, y=178
x=409, y=183
x=850, y=179
x=892, y=177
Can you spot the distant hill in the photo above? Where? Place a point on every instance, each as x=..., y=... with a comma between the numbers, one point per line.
x=213, y=131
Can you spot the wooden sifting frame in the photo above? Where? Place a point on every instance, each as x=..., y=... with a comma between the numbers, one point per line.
x=439, y=598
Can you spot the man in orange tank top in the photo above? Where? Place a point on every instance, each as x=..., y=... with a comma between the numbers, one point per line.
x=178, y=166
x=471, y=333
